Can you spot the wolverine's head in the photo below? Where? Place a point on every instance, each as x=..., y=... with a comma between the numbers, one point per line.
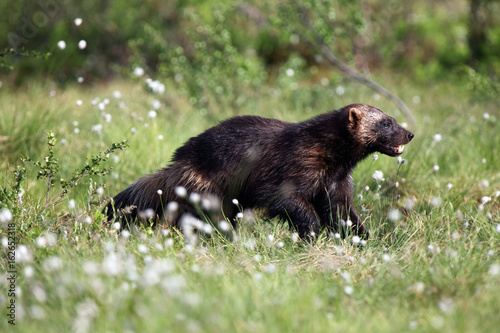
x=377, y=130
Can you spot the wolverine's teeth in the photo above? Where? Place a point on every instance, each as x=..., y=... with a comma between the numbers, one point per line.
x=399, y=149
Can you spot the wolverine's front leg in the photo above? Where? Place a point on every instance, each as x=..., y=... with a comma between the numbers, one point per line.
x=335, y=207
x=300, y=213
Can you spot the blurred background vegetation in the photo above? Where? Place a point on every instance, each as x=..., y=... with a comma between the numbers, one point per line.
x=212, y=50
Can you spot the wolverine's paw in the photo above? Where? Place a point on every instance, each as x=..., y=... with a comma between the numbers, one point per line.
x=361, y=231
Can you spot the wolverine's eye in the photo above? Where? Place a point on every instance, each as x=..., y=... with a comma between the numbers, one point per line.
x=386, y=124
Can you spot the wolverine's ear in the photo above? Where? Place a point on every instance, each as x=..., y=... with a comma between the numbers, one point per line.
x=355, y=116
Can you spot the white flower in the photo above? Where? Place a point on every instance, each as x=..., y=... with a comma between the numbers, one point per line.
x=88, y=220
x=394, y=215
x=356, y=239
x=485, y=183
x=99, y=191
x=195, y=197
x=172, y=206
x=156, y=104
x=71, y=204
x=437, y=137
x=138, y=71
x=494, y=270
x=449, y=186
x=485, y=199
x=117, y=226
x=270, y=268
x=180, y=191
x=224, y=225
x=378, y=176
x=160, y=137
x=375, y=157
x=239, y=215
x=416, y=99
x=160, y=192
x=348, y=290
x=79, y=102
x=5, y=215
x=340, y=90
x=78, y=21
x=290, y=72
x=436, y=201
x=235, y=202
x=376, y=97
x=295, y=237
x=142, y=248
x=61, y=44
x=96, y=128
x=497, y=228
x=386, y=257
x=82, y=44
x=156, y=86
x=152, y=114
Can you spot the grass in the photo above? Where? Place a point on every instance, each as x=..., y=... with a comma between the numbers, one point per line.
x=435, y=268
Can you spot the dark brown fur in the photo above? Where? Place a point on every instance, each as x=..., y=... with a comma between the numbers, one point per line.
x=299, y=172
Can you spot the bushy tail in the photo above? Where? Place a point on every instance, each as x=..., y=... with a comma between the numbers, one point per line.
x=142, y=197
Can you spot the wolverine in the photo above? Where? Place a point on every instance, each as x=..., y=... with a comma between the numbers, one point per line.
x=298, y=172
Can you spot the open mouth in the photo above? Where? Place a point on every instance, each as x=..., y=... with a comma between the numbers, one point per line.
x=399, y=149
x=393, y=150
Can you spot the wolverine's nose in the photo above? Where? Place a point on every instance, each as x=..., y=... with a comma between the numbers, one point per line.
x=410, y=136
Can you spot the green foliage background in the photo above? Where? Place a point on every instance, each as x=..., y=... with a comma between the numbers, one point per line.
x=435, y=267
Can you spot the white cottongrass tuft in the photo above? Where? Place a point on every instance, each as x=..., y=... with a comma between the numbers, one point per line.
x=71, y=204
x=82, y=44
x=180, y=191
x=138, y=71
x=99, y=191
x=348, y=290
x=235, y=202
x=494, y=270
x=160, y=192
x=340, y=90
x=290, y=72
x=78, y=21
x=96, y=128
x=437, y=137
x=435, y=167
x=61, y=44
x=356, y=240
x=5, y=215
x=378, y=176
x=152, y=114
x=156, y=86
x=375, y=157
x=436, y=201
x=394, y=215
x=224, y=225
x=485, y=199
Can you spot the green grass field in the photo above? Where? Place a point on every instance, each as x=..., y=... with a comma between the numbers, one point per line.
x=432, y=262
